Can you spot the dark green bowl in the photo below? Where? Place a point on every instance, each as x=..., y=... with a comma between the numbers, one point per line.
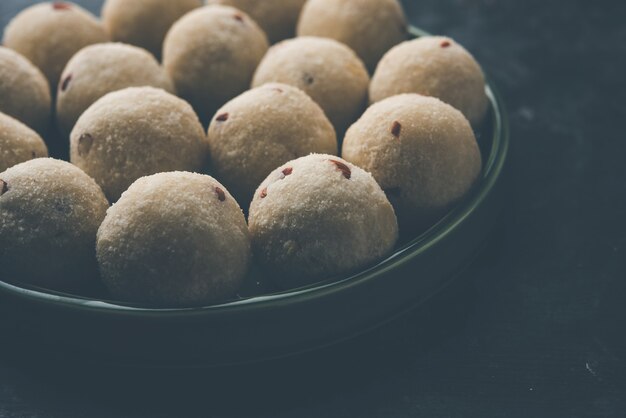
x=276, y=325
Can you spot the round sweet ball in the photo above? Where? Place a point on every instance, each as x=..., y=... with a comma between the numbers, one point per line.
x=263, y=128
x=18, y=143
x=100, y=69
x=211, y=54
x=422, y=152
x=369, y=27
x=49, y=34
x=144, y=22
x=174, y=240
x=137, y=132
x=325, y=69
x=50, y=212
x=317, y=217
x=278, y=18
x=24, y=91
x=433, y=66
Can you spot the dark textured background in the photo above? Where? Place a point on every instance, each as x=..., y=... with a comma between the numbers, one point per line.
x=541, y=333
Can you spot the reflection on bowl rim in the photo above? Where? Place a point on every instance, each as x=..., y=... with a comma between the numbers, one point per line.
x=491, y=172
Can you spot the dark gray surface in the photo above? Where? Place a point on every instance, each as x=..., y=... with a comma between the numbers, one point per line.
x=542, y=332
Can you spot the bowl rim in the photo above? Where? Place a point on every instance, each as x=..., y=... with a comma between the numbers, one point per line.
x=492, y=171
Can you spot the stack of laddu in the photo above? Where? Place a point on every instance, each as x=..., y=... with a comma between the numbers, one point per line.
x=269, y=97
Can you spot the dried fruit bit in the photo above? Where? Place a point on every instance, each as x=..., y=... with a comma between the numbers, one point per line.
x=308, y=79
x=66, y=82
x=445, y=44
x=59, y=5
x=278, y=89
x=238, y=17
x=220, y=194
x=396, y=129
x=347, y=173
x=4, y=187
x=84, y=144
x=264, y=193
x=33, y=154
x=222, y=118
x=287, y=171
